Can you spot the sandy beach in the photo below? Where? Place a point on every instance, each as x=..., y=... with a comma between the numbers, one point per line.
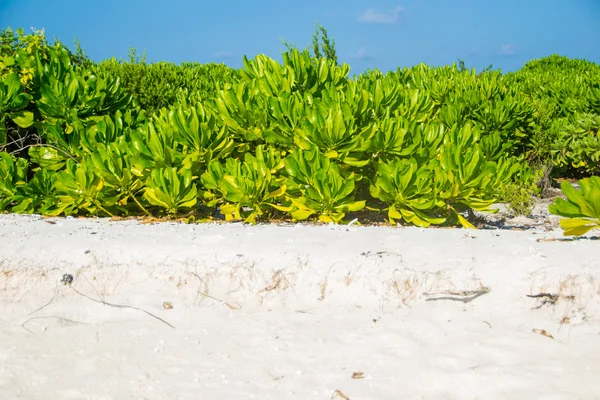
x=296, y=311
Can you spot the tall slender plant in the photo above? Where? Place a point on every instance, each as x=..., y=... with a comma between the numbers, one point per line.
x=322, y=45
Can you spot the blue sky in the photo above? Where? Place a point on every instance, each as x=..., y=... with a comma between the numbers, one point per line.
x=368, y=34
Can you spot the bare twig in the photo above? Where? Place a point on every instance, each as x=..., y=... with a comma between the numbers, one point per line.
x=93, y=287
x=122, y=306
x=464, y=296
x=44, y=306
x=548, y=299
x=46, y=145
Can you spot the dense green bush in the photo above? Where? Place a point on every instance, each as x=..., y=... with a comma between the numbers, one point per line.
x=49, y=97
x=565, y=94
x=158, y=85
x=576, y=151
x=298, y=139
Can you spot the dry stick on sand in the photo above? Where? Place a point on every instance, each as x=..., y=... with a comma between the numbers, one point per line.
x=548, y=298
x=464, y=295
x=48, y=316
x=44, y=306
x=121, y=306
x=89, y=298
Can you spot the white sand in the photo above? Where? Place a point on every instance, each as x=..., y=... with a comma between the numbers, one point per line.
x=294, y=311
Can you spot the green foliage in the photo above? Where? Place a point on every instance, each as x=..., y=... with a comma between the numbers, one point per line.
x=199, y=134
x=70, y=99
x=410, y=192
x=158, y=85
x=520, y=193
x=79, y=191
x=563, y=91
x=330, y=124
x=463, y=67
x=13, y=175
x=318, y=187
x=171, y=189
x=13, y=101
x=50, y=95
x=17, y=53
x=245, y=189
x=112, y=163
x=299, y=139
x=39, y=194
x=322, y=46
x=150, y=150
x=581, y=208
x=577, y=147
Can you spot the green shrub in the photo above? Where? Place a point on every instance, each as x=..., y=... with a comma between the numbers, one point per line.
x=581, y=208
x=577, y=146
x=158, y=85
x=520, y=194
x=299, y=137
x=560, y=90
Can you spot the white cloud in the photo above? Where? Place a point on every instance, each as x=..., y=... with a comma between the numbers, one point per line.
x=372, y=16
x=361, y=54
x=223, y=54
x=508, y=50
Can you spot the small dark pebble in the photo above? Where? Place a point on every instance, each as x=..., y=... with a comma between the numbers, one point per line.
x=67, y=279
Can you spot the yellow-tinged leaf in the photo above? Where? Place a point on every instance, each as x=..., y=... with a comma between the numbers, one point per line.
x=325, y=218
x=394, y=213
x=355, y=206
x=277, y=193
x=150, y=195
x=301, y=215
x=463, y=221
x=299, y=202
x=280, y=207
x=578, y=226
x=229, y=217
x=228, y=209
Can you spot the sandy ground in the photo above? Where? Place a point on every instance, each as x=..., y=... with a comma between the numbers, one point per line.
x=213, y=311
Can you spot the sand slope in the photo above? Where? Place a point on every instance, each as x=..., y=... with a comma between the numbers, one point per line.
x=293, y=311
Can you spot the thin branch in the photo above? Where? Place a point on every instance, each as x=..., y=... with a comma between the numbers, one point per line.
x=464, y=296
x=46, y=145
x=122, y=306
x=44, y=306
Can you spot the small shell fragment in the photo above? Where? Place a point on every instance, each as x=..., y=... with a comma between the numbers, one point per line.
x=358, y=375
x=167, y=305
